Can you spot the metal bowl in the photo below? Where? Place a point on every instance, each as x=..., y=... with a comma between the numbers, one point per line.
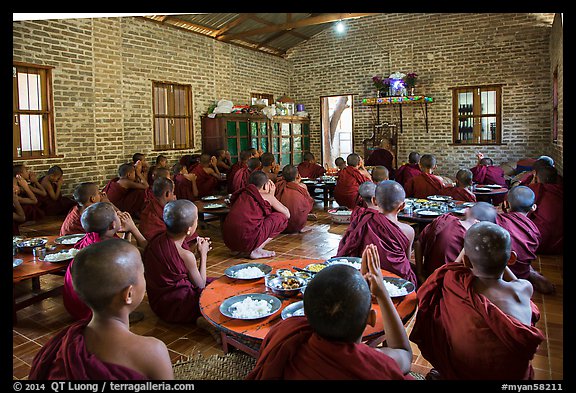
x=275, y=286
x=29, y=245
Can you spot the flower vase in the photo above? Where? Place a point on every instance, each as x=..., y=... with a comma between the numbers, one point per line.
x=412, y=91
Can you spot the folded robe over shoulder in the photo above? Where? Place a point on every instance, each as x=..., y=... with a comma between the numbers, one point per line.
x=206, y=184
x=458, y=194
x=241, y=178
x=346, y=188
x=406, y=172
x=152, y=222
x=131, y=200
x=251, y=221
x=423, y=185
x=292, y=351
x=297, y=200
x=525, y=238
x=465, y=336
x=310, y=170
x=375, y=228
x=60, y=205
x=72, y=223
x=65, y=357
x=230, y=176
x=549, y=217
x=484, y=174
x=183, y=188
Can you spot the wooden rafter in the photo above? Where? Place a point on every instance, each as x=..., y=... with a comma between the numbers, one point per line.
x=241, y=18
x=280, y=33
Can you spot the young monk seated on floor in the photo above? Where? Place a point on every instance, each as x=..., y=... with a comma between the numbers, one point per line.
x=367, y=192
x=380, y=173
x=224, y=161
x=485, y=172
x=128, y=191
x=207, y=175
x=243, y=174
x=426, y=183
x=549, y=213
x=30, y=192
x=327, y=342
x=409, y=170
x=154, y=173
x=525, y=236
x=243, y=158
x=349, y=179
x=269, y=166
x=174, y=278
x=100, y=222
x=294, y=195
x=494, y=337
x=103, y=347
x=54, y=203
x=140, y=160
x=255, y=218
x=382, y=228
x=18, y=215
x=161, y=162
x=462, y=191
x=185, y=186
x=340, y=163
x=383, y=155
x=308, y=167
x=442, y=240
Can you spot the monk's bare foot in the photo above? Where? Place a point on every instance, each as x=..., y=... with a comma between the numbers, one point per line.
x=541, y=283
x=312, y=217
x=305, y=229
x=261, y=253
x=202, y=323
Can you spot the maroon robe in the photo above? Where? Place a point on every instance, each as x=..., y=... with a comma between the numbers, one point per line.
x=152, y=221
x=33, y=212
x=423, y=185
x=72, y=224
x=131, y=200
x=549, y=217
x=297, y=200
x=241, y=178
x=65, y=357
x=525, y=238
x=310, y=170
x=293, y=351
x=56, y=207
x=15, y=224
x=171, y=294
x=465, y=336
x=373, y=227
x=406, y=172
x=382, y=157
x=441, y=242
x=488, y=174
x=458, y=193
x=206, y=184
x=251, y=221
x=183, y=188
x=230, y=176
x=346, y=188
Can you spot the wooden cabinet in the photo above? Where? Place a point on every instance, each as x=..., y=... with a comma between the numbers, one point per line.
x=287, y=137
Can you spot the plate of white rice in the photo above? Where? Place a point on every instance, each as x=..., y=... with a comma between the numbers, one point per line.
x=248, y=271
x=69, y=239
x=61, y=256
x=355, y=262
x=398, y=287
x=250, y=306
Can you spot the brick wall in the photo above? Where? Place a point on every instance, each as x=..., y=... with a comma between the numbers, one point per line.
x=557, y=62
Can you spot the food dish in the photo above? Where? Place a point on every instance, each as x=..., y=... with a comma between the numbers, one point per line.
x=69, y=239
x=441, y=198
x=287, y=286
x=315, y=267
x=482, y=189
x=232, y=271
x=259, y=305
x=355, y=262
x=494, y=186
x=28, y=245
x=16, y=262
x=61, y=256
x=403, y=287
x=211, y=198
x=214, y=205
x=468, y=204
x=428, y=213
x=293, y=310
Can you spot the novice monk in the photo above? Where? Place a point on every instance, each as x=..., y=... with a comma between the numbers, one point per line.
x=349, y=179
x=442, y=240
x=525, y=236
x=100, y=221
x=54, y=203
x=255, y=218
x=340, y=163
x=154, y=173
x=269, y=166
x=426, y=183
x=308, y=167
x=549, y=213
x=243, y=158
x=128, y=191
x=174, y=279
x=224, y=162
x=103, y=347
x=382, y=228
x=327, y=342
x=184, y=183
x=380, y=173
x=207, y=175
x=462, y=190
x=409, y=170
x=294, y=195
x=161, y=162
x=486, y=173
x=475, y=320
x=383, y=155
x=30, y=192
x=243, y=174
x=367, y=192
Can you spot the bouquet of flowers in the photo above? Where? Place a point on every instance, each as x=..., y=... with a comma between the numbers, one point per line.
x=410, y=79
x=381, y=84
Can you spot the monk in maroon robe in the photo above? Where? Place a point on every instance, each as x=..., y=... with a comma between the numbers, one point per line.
x=327, y=342
x=255, y=218
x=54, y=203
x=104, y=348
x=486, y=173
x=382, y=228
x=243, y=158
x=308, y=168
x=242, y=175
x=426, y=183
x=224, y=161
x=85, y=194
x=406, y=171
x=294, y=195
x=30, y=192
x=462, y=190
x=207, y=175
x=476, y=320
x=349, y=179
x=269, y=166
x=128, y=191
x=549, y=213
x=185, y=186
x=383, y=156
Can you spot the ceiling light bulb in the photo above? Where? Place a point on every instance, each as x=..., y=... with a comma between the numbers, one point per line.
x=340, y=26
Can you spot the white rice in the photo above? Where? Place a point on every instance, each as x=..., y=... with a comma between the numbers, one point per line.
x=61, y=256
x=393, y=290
x=249, y=272
x=355, y=265
x=250, y=308
x=71, y=240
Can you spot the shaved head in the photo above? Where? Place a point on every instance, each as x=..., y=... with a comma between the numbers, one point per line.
x=548, y=160
x=205, y=158
x=179, y=215
x=380, y=173
x=98, y=217
x=521, y=199
x=389, y=195
x=428, y=161
x=258, y=178
x=289, y=172
x=484, y=211
x=267, y=159
x=308, y=156
x=547, y=175
x=353, y=159
x=245, y=155
x=367, y=191
x=487, y=246
x=253, y=163
x=486, y=161
x=413, y=157
x=464, y=177
x=84, y=191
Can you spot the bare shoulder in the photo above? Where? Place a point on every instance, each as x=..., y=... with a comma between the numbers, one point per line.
x=150, y=356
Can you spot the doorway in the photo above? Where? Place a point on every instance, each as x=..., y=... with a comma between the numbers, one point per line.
x=336, y=118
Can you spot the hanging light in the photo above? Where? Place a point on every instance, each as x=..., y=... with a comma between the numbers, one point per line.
x=340, y=27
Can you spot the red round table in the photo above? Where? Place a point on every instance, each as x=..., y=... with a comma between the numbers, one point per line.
x=247, y=335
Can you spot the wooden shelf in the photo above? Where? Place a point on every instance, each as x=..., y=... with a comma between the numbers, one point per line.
x=396, y=100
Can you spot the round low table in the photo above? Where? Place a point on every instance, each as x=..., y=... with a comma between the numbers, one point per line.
x=488, y=196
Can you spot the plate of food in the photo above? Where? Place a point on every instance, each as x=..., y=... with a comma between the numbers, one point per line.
x=355, y=262
x=459, y=211
x=440, y=198
x=295, y=309
x=429, y=213
x=248, y=271
x=69, y=239
x=398, y=287
x=60, y=256
x=211, y=198
x=16, y=262
x=482, y=189
x=28, y=245
x=468, y=204
x=214, y=205
x=315, y=267
x=250, y=306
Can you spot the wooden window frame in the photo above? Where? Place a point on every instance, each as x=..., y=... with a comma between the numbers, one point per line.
x=173, y=142
x=46, y=112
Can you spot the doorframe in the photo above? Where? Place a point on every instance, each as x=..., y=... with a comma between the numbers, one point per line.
x=322, y=120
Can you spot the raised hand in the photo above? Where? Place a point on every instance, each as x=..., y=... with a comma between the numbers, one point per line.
x=213, y=161
x=374, y=275
x=204, y=245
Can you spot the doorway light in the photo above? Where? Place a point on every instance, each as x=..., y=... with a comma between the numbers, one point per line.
x=340, y=27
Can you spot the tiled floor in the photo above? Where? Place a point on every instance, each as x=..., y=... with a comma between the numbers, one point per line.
x=40, y=321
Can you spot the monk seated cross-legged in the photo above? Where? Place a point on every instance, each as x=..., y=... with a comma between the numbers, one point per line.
x=383, y=156
x=475, y=319
x=103, y=347
x=426, y=183
x=367, y=192
x=408, y=170
x=30, y=193
x=327, y=342
x=462, y=191
x=308, y=167
x=381, y=227
x=54, y=203
x=243, y=158
x=223, y=161
x=485, y=172
x=243, y=174
x=294, y=195
x=185, y=186
x=269, y=166
x=207, y=175
x=349, y=179
x=128, y=191
x=255, y=218
x=154, y=173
